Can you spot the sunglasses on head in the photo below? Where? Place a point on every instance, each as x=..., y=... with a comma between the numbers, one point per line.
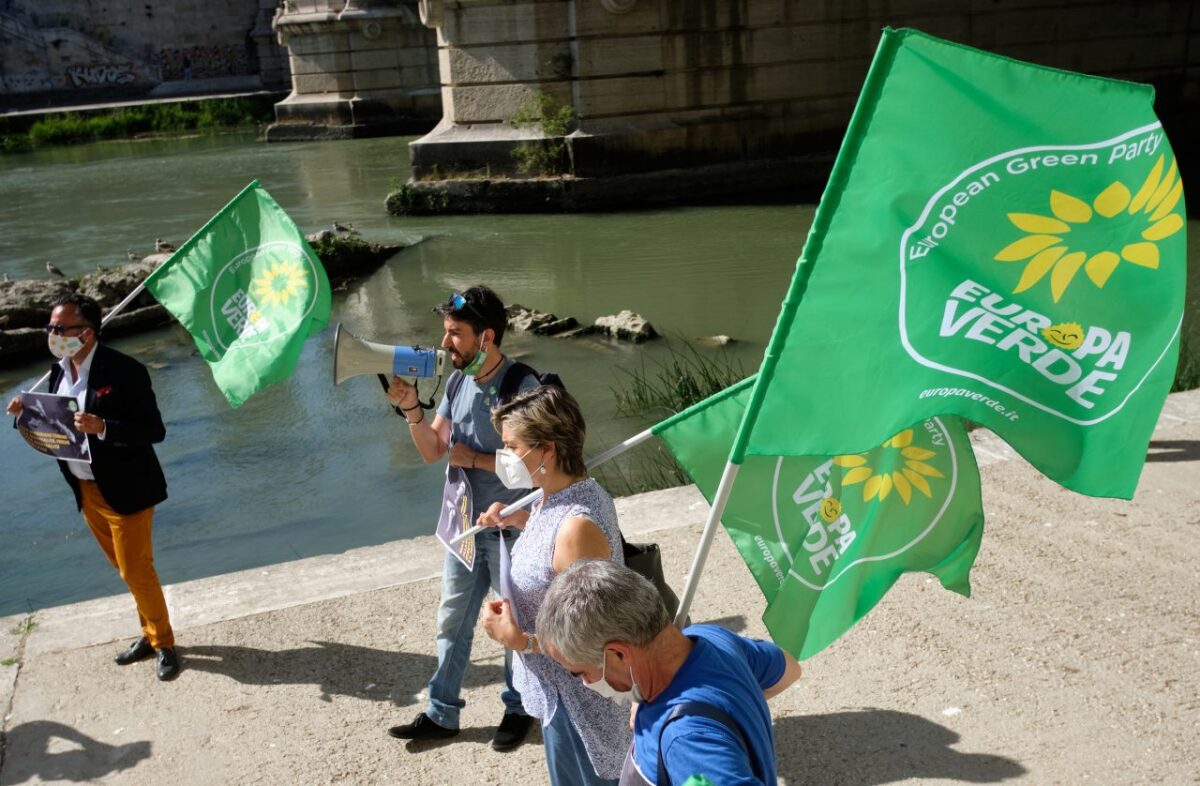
x=457, y=302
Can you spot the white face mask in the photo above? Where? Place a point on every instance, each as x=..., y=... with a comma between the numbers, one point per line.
x=511, y=469
x=64, y=346
x=602, y=687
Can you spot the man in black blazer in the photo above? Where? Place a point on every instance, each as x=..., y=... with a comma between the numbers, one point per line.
x=117, y=492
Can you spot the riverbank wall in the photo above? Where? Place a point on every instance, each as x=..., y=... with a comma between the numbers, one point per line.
x=59, y=53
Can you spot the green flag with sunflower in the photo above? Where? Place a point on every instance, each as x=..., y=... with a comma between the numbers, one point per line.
x=998, y=240
x=249, y=290
x=827, y=536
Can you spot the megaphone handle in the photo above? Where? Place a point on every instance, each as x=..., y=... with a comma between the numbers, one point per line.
x=383, y=380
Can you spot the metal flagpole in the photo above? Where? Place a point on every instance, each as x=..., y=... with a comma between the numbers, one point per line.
x=710, y=529
x=117, y=309
x=536, y=494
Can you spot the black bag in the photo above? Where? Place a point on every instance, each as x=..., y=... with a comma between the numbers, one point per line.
x=646, y=560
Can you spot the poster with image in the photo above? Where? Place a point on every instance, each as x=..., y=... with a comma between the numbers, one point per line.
x=47, y=422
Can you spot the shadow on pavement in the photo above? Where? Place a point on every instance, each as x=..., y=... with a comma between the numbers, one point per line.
x=735, y=623
x=337, y=669
x=49, y=751
x=1174, y=450
x=868, y=747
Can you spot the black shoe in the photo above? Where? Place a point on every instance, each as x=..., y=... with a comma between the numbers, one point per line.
x=168, y=664
x=423, y=727
x=139, y=650
x=512, y=732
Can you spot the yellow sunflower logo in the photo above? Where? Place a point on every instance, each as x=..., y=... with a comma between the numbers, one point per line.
x=1079, y=235
x=912, y=475
x=281, y=282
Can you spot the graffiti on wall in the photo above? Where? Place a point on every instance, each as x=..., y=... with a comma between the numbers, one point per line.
x=101, y=75
x=202, y=62
x=28, y=82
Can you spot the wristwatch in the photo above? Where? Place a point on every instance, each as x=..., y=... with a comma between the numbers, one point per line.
x=530, y=639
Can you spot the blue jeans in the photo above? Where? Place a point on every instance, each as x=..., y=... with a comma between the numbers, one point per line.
x=463, y=592
x=566, y=757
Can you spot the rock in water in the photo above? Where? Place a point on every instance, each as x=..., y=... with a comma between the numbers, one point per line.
x=627, y=326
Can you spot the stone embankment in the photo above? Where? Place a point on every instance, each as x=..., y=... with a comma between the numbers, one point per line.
x=25, y=303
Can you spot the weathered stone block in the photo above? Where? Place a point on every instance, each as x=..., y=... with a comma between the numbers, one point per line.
x=509, y=23
x=621, y=56
x=375, y=58
x=505, y=63
x=496, y=103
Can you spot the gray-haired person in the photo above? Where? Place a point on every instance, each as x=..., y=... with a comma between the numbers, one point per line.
x=701, y=692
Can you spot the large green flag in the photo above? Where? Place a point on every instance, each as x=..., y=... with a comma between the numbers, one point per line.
x=826, y=537
x=249, y=290
x=1000, y=241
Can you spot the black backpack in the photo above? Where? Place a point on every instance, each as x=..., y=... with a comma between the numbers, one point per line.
x=513, y=377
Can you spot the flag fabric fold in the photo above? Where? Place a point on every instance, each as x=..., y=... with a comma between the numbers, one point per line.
x=826, y=537
x=1000, y=241
x=250, y=290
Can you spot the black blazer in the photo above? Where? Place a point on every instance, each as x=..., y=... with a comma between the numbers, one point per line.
x=126, y=469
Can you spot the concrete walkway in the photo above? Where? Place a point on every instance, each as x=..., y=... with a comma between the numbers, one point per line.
x=1074, y=662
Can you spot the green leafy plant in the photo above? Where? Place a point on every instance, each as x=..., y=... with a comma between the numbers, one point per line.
x=27, y=625
x=8, y=661
x=545, y=156
x=70, y=128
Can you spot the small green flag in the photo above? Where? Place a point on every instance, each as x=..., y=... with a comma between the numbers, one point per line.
x=826, y=537
x=1000, y=241
x=249, y=290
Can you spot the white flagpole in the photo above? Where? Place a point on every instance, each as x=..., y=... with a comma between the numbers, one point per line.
x=536, y=494
x=117, y=309
x=710, y=529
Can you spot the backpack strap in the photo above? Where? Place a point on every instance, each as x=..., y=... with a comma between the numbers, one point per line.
x=703, y=710
x=513, y=378
x=454, y=385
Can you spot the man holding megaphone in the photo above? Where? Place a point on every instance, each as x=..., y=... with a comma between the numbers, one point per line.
x=474, y=324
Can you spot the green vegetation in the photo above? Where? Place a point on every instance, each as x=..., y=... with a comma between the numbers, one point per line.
x=27, y=625
x=544, y=156
x=71, y=127
x=8, y=661
x=686, y=377
x=406, y=200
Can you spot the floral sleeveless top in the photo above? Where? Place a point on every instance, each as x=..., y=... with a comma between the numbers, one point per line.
x=545, y=686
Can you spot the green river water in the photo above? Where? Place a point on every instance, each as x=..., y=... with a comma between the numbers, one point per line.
x=307, y=468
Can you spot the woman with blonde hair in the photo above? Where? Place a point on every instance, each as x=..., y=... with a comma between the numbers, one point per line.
x=586, y=732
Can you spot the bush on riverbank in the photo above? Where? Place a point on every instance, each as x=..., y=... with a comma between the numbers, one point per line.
x=73, y=127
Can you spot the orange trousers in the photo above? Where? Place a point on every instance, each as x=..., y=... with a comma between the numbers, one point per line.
x=127, y=544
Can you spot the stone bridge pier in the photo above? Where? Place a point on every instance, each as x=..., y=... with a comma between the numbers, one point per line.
x=671, y=99
x=359, y=68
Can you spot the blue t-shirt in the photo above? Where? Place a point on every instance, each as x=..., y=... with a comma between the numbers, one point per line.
x=470, y=416
x=727, y=671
